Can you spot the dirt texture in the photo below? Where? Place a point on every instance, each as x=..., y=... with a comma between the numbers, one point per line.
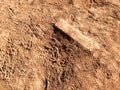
x=59, y=44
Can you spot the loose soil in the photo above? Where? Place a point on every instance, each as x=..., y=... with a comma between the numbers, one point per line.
x=35, y=54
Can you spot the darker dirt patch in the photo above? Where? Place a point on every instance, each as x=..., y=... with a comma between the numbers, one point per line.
x=63, y=55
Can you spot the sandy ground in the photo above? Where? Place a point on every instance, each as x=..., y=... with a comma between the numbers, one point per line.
x=59, y=44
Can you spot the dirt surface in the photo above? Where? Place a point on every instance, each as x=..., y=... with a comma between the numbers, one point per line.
x=37, y=54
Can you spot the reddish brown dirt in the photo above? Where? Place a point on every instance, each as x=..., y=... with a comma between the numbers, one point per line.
x=37, y=55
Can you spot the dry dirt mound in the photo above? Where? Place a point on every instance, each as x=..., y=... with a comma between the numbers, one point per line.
x=59, y=44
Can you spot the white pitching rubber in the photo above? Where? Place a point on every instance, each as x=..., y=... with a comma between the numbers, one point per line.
x=77, y=35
